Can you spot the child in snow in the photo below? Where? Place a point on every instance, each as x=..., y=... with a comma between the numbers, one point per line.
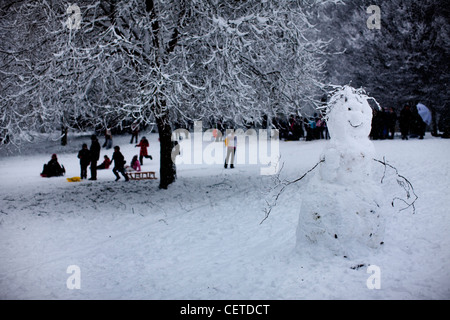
x=119, y=162
x=85, y=158
x=105, y=164
x=53, y=168
x=144, y=144
x=134, y=165
x=134, y=131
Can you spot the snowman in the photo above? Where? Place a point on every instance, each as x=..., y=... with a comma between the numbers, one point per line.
x=343, y=209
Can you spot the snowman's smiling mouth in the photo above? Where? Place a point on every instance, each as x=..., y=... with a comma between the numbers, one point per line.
x=359, y=125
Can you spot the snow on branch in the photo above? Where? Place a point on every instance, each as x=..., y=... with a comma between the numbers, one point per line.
x=128, y=60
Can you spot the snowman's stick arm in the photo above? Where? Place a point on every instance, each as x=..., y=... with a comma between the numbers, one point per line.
x=405, y=184
x=284, y=185
x=304, y=175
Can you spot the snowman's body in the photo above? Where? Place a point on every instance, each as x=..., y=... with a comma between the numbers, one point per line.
x=343, y=209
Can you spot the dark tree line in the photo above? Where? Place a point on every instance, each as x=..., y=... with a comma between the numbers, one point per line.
x=404, y=62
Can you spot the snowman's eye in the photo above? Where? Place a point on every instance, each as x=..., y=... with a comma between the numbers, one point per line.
x=349, y=109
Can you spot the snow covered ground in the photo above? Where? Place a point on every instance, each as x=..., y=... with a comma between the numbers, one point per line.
x=203, y=238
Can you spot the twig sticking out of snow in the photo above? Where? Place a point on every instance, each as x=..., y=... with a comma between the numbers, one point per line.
x=402, y=182
x=284, y=184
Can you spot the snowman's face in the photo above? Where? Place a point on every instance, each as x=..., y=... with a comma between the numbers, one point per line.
x=350, y=119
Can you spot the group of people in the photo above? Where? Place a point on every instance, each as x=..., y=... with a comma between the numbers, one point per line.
x=90, y=156
x=384, y=123
x=298, y=127
x=410, y=123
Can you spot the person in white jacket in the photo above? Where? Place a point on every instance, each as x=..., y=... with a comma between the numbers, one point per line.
x=230, y=143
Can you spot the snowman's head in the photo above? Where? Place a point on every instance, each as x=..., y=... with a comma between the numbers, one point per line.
x=349, y=115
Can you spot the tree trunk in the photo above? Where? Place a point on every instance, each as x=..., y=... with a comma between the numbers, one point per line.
x=64, y=131
x=167, y=169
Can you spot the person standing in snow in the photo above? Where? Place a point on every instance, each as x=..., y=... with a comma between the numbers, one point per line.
x=144, y=144
x=85, y=159
x=405, y=121
x=134, y=131
x=119, y=162
x=375, y=131
x=309, y=127
x=108, y=139
x=383, y=123
x=95, y=155
x=392, y=122
x=230, y=143
x=418, y=126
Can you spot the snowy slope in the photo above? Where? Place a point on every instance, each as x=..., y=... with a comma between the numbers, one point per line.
x=202, y=238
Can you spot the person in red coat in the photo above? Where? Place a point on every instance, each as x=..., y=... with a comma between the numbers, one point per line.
x=144, y=144
x=105, y=164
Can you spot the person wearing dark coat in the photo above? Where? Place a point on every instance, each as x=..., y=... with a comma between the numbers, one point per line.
x=95, y=155
x=418, y=126
x=85, y=158
x=405, y=121
x=134, y=131
x=392, y=122
x=119, y=162
x=53, y=168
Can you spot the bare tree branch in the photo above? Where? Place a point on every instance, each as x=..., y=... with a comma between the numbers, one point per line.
x=284, y=184
x=402, y=182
